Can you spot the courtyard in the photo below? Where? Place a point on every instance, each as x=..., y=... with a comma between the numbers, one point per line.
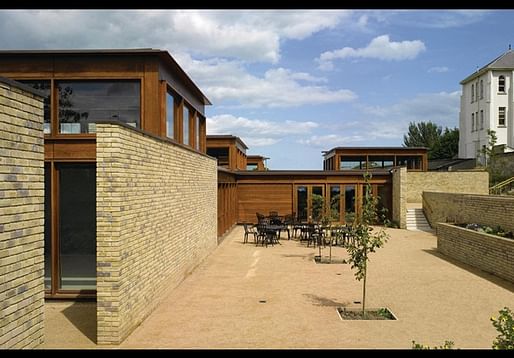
x=243, y=296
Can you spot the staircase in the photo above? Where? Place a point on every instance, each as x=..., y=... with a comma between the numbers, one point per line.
x=416, y=220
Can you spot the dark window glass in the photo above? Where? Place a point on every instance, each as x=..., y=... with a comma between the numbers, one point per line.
x=349, y=203
x=501, y=116
x=251, y=166
x=42, y=86
x=501, y=84
x=82, y=103
x=77, y=226
x=335, y=202
x=352, y=162
x=48, y=228
x=221, y=154
x=301, y=205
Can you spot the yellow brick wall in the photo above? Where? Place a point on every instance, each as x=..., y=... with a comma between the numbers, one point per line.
x=399, y=197
x=489, y=253
x=470, y=182
x=490, y=210
x=21, y=218
x=156, y=221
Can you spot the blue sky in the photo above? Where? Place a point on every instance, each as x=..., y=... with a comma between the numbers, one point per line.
x=292, y=83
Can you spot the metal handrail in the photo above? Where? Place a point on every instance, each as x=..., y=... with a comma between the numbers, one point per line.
x=497, y=189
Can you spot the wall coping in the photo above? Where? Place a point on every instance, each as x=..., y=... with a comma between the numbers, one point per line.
x=495, y=197
x=22, y=86
x=508, y=241
x=151, y=135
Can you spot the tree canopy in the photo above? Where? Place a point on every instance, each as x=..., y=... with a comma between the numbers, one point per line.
x=441, y=145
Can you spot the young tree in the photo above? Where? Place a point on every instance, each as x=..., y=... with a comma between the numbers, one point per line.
x=365, y=240
x=488, y=155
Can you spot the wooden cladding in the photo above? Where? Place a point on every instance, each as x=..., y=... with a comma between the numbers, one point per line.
x=263, y=198
x=227, y=207
x=70, y=149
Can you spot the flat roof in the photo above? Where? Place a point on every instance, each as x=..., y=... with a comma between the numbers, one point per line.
x=163, y=54
x=227, y=136
x=313, y=172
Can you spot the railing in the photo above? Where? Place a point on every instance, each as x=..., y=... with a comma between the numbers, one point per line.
x=502, y=187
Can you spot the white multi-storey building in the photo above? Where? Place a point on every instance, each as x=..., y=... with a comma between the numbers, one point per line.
x=487, y=103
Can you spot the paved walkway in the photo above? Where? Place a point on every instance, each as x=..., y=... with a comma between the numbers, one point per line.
x=244, y=296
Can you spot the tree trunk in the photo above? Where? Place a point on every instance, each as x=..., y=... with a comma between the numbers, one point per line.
x=364, y=291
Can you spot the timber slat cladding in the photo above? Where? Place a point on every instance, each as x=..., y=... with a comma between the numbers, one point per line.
x=263, y=198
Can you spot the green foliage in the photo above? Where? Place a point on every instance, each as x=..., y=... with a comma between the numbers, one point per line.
x=318, y=205
x=365, y=240
x=504, y=324
x=489, y=155
x=446, y=345
x=441, y=145
x=448, y=146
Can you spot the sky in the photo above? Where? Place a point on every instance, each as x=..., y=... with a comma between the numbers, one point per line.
x=293, y=83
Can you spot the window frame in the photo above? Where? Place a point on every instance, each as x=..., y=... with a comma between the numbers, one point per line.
x=500, y=115
x=501, y=84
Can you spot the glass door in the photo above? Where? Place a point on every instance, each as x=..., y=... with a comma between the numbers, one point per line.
x=77, y=227
x=309, y=201
x=70, y=229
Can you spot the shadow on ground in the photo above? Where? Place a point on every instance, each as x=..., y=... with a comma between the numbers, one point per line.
x=323, y=301
x=83, y=316
x=476, y=271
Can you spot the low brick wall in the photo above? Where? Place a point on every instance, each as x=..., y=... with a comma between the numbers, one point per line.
x=156, y=221
x=21, y=217
x=489, y=253
x=490, y=210
x=469, y=182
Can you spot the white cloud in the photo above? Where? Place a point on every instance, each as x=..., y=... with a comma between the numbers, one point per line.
x=392, y=121
x=256, y=132
x=253, y=35
x=330, y=140
x=228, y=83
x=438, y=69
x=388, y=123
x=380, y=48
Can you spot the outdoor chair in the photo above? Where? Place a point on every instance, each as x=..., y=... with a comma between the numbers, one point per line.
x=249, y=231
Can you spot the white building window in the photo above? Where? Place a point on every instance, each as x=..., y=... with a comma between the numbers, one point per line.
x=481, y=89
x=501, y=116
x=501, y=84
x=476, y=89
x=481, y=119
x=472, y=93
x=472, y=122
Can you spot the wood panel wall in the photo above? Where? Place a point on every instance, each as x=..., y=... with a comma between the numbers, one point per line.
x=263, y=198
x=227, y=207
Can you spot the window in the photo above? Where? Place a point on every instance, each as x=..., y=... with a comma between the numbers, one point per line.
x=472, y=93
x=42, y=86
x=501, y=84
x=350, y=162
x=481, y=119
x=82, y=103
x=476, y=88
x=197, y=132
x=251, y=166
x=501, y=116
x=481, y=89
x=472, y=122
x=185, y=124
x=170, y=115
